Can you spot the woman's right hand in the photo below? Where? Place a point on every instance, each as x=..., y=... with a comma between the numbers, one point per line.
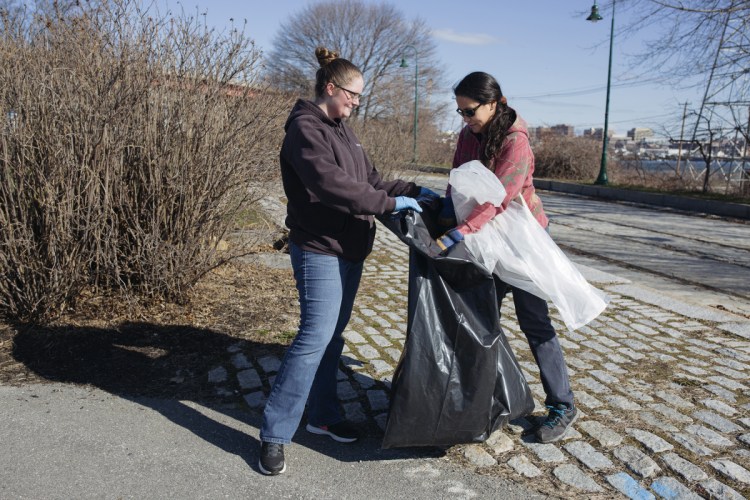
x=406, y=203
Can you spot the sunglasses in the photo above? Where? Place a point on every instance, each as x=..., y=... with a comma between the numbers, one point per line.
x=469, y=112
x=351, y=95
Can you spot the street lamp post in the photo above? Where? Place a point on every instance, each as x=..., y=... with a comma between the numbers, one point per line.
x=416, y=80
x=594, y=17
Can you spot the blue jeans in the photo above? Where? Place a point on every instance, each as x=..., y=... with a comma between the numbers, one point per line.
x=327, y=286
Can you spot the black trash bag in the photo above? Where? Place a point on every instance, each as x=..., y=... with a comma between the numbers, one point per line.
x=457, y=380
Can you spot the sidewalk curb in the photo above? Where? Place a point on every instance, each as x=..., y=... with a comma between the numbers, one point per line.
x=713, y=207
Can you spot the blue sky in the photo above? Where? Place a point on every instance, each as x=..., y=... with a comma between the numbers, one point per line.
x=550, y=61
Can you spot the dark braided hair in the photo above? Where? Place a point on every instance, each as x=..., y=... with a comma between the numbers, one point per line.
x=333, y=69
x=484, y=89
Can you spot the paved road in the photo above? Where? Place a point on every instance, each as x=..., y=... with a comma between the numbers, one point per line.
x=663, y=384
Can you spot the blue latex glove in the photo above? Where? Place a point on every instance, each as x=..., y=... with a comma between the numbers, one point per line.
x=447, y=216
x=427, y=195
x=449, y=239
x=406, y=203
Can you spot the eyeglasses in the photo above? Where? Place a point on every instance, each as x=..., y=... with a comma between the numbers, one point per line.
x=469, y=112
x=351, y=95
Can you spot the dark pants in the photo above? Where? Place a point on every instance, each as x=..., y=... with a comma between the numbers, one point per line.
x=533, y=318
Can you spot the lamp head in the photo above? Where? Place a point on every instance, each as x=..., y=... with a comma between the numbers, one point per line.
x=404, y=64
x=594, y=16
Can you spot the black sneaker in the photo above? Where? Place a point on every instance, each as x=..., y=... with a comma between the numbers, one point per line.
x=271, y=460
x=343, y=432
x=559, y=420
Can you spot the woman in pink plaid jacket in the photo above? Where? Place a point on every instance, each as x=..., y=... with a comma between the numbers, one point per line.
x=495, y=135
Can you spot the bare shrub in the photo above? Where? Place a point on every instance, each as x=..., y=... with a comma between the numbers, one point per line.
x=128, y=144
x=387, y=146
x=570, y=158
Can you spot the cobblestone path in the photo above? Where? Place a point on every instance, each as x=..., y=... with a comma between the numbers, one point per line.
x=664, y=393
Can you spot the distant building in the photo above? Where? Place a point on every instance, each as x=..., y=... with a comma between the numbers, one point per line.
x=539, y=133
x=640, y=134
x=597, y=133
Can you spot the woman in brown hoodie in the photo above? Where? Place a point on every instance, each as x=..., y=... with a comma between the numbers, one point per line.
x=333, y=192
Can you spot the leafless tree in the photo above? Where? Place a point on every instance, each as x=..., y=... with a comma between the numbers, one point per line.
x=375, y=37
x=702, y=44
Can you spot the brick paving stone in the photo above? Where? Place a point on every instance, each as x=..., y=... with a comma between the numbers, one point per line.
x=693, y=446
x=240, y=361
x=606, y=436
x=522, y=465
x=255, y=399
x=581, y=365
x=728, y=383
x=637, y=461
x=731, y=363
x=345, y=390
x=720, y=490
x=657, y=422
x=217, y=375
x=614, y=368
x=367, y=312
x=719, y=406
x=380, y=366
x=694, y=370
x=729, y=372
x=716, y=421
x=378, y=399
x=478, y=456
x=249, y=379
x=670, y=488
x=731, y=470
x=745, y=438
x=686, y=469
x=662, y=357
x=652, y=442
x=721, y=392
x=604, y=377
x=590, y=356
x=709, y=436
x=695, y=362
x=270, y=364
x=394, y=334
x=354, y=412
x=635, y=394
x=588, y=400
x=670, y=413
x=597, y=346
x=594, y=386
x=628, y=486
x=367, y=351
x=546, y=452
x=381, y=341
x=588, y=456
x=575, y=477
x=500, y=443
x=395, y=354
x=631, y=353
x=369, y=331
x=623, y=403
x=363, y=380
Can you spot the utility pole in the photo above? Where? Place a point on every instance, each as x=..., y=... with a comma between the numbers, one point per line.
x=682, y=132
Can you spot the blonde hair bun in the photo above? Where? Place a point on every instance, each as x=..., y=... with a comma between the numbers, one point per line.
x=325, y=56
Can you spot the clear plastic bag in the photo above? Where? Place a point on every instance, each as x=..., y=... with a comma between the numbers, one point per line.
x=519, y=251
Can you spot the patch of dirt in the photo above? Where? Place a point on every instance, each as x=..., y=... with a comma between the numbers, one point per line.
x=164, y=350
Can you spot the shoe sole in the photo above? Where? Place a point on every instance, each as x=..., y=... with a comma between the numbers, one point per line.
x=270, y=473
x=323, y=432
x=558, y=438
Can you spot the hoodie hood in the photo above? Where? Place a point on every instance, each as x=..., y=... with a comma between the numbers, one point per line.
x=304, y=108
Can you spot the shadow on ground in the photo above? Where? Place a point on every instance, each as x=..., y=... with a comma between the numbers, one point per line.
x=165, y=368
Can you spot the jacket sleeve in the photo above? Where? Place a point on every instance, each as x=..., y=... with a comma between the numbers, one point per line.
x=314, y=162
x=512, y=166
x=395, y=187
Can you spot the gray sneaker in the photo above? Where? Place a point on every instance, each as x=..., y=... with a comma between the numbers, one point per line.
x=559, y=420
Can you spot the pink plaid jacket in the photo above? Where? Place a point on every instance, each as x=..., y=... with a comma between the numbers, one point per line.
x=513, y=165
